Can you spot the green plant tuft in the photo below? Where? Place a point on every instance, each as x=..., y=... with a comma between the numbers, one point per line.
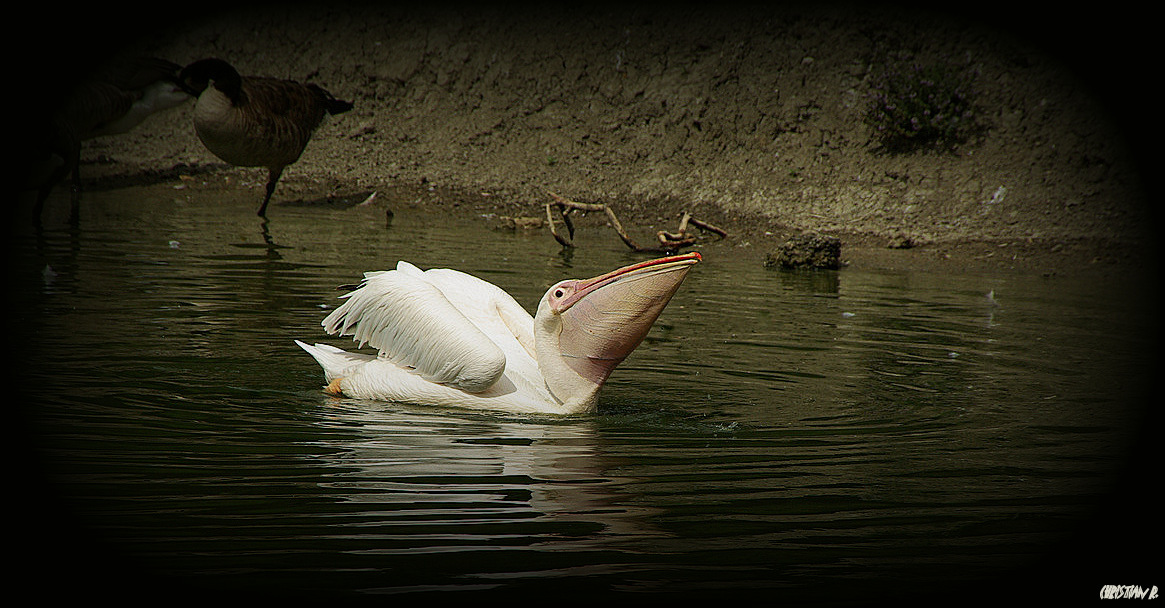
x=913, y=106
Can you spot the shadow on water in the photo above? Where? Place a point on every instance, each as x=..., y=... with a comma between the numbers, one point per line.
x=777, y=432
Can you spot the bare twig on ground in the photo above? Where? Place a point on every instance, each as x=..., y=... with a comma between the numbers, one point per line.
x=668, y=241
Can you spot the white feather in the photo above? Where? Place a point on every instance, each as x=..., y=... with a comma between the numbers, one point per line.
x=336, y=362
x=413, y=324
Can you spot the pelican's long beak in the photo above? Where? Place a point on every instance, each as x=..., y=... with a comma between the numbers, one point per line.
x=607, y=317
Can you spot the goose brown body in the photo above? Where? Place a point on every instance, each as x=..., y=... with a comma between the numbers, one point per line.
x=251, y=121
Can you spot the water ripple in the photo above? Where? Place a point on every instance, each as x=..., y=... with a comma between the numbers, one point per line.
x=776, y=431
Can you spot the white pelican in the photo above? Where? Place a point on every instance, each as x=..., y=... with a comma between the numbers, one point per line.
x=450, y=339
x=252, y=121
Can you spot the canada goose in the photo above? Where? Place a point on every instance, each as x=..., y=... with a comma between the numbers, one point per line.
x=251, y=121
x=111, y=100
x=151, y=85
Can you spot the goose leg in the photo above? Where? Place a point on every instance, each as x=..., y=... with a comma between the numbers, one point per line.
x=75, y=194
x=272, y=178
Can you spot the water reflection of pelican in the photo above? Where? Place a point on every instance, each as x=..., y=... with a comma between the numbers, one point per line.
x=444, y=480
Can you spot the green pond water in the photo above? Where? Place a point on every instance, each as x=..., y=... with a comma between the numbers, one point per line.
x=795, y=435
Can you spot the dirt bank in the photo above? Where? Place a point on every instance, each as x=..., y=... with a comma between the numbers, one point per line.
x=750, y=116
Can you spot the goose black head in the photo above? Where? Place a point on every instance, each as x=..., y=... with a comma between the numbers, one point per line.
x=194, y=78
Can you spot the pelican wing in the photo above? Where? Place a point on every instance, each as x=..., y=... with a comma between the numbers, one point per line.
x=489, y=307
x=412, y=322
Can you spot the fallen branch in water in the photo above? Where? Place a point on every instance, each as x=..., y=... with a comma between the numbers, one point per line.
x=668, y=241
x=681, y=236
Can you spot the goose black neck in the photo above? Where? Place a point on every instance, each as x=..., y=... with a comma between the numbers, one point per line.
x=198, y=75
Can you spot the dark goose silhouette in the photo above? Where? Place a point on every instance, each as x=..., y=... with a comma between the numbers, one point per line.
x=112, y=100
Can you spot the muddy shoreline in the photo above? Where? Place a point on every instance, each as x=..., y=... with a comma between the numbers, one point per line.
x=749, y=236
x=748, y=117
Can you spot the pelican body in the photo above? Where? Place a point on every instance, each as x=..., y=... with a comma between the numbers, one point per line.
x=251, y=121
x=447, y=338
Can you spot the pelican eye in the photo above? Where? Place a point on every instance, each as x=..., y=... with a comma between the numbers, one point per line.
x=558, y=293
